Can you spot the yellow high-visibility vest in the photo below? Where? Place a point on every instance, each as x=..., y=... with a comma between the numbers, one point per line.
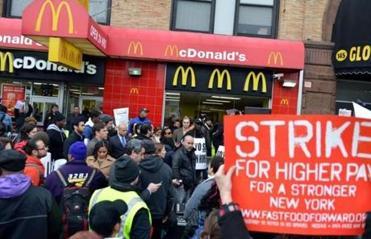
x=132, y=200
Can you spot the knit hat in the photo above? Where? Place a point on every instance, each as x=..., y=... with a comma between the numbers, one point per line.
x=123, y=171
x=149, y=146
x=105, y=215
x=78, y=151
x=12, y=160
x=58, y=117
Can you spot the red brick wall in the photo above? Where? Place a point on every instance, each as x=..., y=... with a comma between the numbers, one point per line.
x=122, y=90
x=285, y=99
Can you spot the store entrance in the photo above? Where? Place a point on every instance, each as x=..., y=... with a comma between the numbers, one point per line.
x=214, y=106
x=87, y=103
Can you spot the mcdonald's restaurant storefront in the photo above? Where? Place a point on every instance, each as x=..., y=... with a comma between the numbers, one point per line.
x=170, y=72
x=199, y=73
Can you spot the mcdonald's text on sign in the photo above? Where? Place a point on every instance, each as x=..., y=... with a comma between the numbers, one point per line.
x=6, y=61
x=135, y=48
x=307, y=175
x=134, y=91
x=63, y=52
x=275, y=58
x=184, y=76
x=220, y=79
x=56, y=10
x=256, y=79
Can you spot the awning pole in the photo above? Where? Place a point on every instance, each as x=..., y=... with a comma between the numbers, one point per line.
x=300, y=92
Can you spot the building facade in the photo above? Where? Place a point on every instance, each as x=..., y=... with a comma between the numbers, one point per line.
x=310, y=22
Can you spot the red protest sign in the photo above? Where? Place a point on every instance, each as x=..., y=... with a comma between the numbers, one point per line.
x=300, y=174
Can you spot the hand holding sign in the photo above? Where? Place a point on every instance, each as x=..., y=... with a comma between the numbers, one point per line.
x=224, y=182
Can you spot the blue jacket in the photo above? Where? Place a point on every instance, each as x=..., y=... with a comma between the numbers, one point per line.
x=138, y=120
x=75, y=171
x=7, y=120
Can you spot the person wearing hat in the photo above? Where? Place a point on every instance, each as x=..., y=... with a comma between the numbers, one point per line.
x=141, y=119
x=105, y=217
x=26, y=211
x=154, y=171
x=56, y=136
x=75, y=173
x=123, y=179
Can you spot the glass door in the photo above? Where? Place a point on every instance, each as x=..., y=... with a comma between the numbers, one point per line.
x=41, y=106
x=87, y=103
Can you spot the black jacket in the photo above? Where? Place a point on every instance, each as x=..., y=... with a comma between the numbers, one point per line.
x=184, y=164
x=56, y=140
x=232, y=226
x=154, y=170
x=72, y=138
x=34, y=214
x=117, y=150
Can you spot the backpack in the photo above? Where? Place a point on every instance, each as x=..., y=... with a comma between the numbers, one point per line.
x=75, y=203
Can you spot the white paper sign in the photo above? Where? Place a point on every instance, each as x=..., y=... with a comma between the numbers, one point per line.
x=201, y=160
x=361, y=112
x=121, y=115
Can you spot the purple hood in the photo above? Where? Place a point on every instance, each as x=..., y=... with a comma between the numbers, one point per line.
x=14, y=185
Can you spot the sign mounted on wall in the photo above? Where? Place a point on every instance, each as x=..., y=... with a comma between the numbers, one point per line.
x=306, y=175
x=65, y=53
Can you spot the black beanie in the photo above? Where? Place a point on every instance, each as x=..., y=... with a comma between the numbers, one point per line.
x=12, y=160
x=124, y=170
x=105, y=215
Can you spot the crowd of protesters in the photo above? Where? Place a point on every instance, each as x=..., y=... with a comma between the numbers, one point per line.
x=125, y=181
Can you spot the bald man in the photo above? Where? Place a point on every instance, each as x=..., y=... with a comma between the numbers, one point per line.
x=183, y=165
x=118, y=142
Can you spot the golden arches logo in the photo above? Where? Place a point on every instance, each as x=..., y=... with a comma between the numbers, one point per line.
x=256, y=80
x=56, y=12
x=171, y=50
x=185, y=72
x=276, y=56
x=220, y=79
x=4, y=58
x=136, y=48
x=134, y=91
x=284, y=101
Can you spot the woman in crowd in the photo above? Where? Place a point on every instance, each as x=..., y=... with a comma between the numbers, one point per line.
x=101, y=159
x=160, y=150
x=157, y=135
x=27, y=132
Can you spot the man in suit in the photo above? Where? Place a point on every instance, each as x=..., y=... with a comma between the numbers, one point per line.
x=118, y=142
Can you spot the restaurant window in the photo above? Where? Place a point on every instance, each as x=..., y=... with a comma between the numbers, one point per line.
x=256, y=18
x=193, y=15
x=100, y=10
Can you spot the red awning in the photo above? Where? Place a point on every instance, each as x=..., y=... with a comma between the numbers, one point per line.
x=205, y=48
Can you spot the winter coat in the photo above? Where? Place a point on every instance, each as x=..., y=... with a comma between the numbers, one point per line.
x=75, y=172
x=27, y=211
x=138, y=120
x=35, y=170
x=56, y=140
x=184, y=164
x=104, y=166
x=153, y=169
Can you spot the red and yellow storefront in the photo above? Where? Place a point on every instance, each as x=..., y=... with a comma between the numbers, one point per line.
x=143, y=65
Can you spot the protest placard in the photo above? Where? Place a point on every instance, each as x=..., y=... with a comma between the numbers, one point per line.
x=200, y=152
x=300, y=174
x=121, y=115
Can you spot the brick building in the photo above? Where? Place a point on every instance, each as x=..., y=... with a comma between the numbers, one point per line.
x=310, y=22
